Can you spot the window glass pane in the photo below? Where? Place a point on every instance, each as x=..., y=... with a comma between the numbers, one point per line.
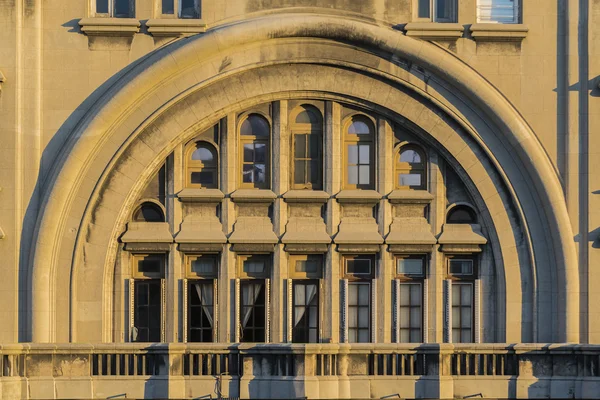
x=410, y=180
x=247, y=173
x=502, y=11
x=300, y=146
x=352, y=295
x=465, y=295
x=405, y=336
x=202, y=178
x=364, y=296
x=352, y=154
x=358, y=266
x=364, y=152
x=203, y=154
x=359, y=127
x=456, y=294
x=445, y=10
x=410, y=266
x=415, y=317
x=307, y=117
x=260, y=174
x=149, y=212
x=456, y=336
x=204, y=265
x=461, y=267
x=248, y=152
x=424, y=9
x=415, y=294
x=363, y=317
x=466, y=336
x=299, y=172
x=364, y=175
x=122, y=8
x=310, y=266
x=315, y=145
x=353, y=317
x=455, y=317
x=363, y=336
x=168, y=6
x=404, y=316
x=252, y=266
x=353, y=175
x=189, y=9
x=150, y=265
x=315, y=172
x=465, y=317
x=260, y=152
x=255, y=125
x=415, y=336
x=102, y=6
x=410, y=156
x=404, y=294
x=461, y=215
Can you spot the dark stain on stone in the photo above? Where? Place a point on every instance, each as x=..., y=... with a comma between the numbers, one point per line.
x=225, y=63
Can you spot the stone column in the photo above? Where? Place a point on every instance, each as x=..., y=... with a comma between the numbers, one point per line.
x=175, y=270
x=436, y=273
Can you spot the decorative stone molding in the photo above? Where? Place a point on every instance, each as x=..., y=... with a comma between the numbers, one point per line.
x=200, y=223
x=306, y=196
x=410, y=197
x=200, y=196
x=175, y=27
x=305, y=226
x=109, y=26
x=409, y=227
x=147, y=236
x=434, y=30
x=358, y=226
x=358, y=197
x=253, y=225
x=253, y=196
x=461, y=238
x=499, y=32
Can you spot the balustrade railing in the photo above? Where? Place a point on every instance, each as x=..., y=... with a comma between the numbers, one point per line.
x=287, y=360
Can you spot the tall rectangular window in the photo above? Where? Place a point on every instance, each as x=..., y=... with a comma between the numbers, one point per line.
x=462, y=312
x=307, y=161
x=147, y=312
x=201, y=312
x=411, y=312
x=498, y=11
x=358, y=271
x=253, y=311
x=305, y=325
x=115, y=8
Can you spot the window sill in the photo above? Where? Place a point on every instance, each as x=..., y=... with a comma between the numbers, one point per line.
x=358, y=196
x=175, y=26
x=306, y=196
x=498, y=32
x=109, y=26
x=409, y=196
x=197, y=195
x=434, y=30
x=253, y=196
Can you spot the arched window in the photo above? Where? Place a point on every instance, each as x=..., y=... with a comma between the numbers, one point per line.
x=149, y=212
x=307, y=132
x=411, y=167
x=461, y=215
x=255, y=142
x=359, y=143
x=202, y=166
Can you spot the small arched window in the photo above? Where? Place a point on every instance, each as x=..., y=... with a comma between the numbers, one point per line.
x=149, y=212
x=255, y=142
x=307, y=132
x=202, y=166
x=411, y=168
x=461, y=215
x=359, y=143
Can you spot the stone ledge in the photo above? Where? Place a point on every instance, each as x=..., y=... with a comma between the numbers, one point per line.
x=306, y=196
x=109, y=26
x=253, y=196
x=410, y=197
x=434, y=30
x=499, y=32
x=358, y=196
x=147, y=232
x=194, y=195
x=175, y=27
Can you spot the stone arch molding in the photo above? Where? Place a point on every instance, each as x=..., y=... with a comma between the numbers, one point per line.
x=173, y=93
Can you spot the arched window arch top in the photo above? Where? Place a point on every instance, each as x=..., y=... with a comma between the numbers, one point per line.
x=360, y=125
x=308, y=115
x=461, y=214
x=255, y=125
x=411, y=167
x=202, y=165
x=149, y=212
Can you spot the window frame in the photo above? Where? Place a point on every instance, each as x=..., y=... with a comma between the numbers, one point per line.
x=159, y=308
x=137, y=275
x=190, y=307
x=462, y=257
x=433, y=5
x=253, y=139
x=317, y=329
x=308, y=130
x=401, y=168
x=471, y=285
x=152, y=203
x=111, y=9
x=266, y=274
x=411, y=279
x=199, y=166
x=357, y=140
x=265, y=306
x=294, y=258
x=354, y=276
x=461, y=206
x=517, y=14
x=409, y=283
x=369, y=306
x=177, y=10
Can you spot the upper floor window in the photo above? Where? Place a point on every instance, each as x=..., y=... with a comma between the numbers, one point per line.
x=255, y=142
x=181, y=8
x=498, y=11
x=359, y=143
x=410, y=276
x=461, y=215
x=202, y=166
x=410, y=168
x=359, y=272
x=149, y=212
x=307, y=133
x=437, y=10
x=115, y=8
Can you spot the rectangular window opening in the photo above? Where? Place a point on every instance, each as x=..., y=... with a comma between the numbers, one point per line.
x=253, y=311
x=201, y=311
x=305, y=313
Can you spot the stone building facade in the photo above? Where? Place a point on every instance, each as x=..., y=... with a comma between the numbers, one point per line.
x=299, y=198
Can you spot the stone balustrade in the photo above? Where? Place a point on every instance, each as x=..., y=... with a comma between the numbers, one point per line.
x=295, y=370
